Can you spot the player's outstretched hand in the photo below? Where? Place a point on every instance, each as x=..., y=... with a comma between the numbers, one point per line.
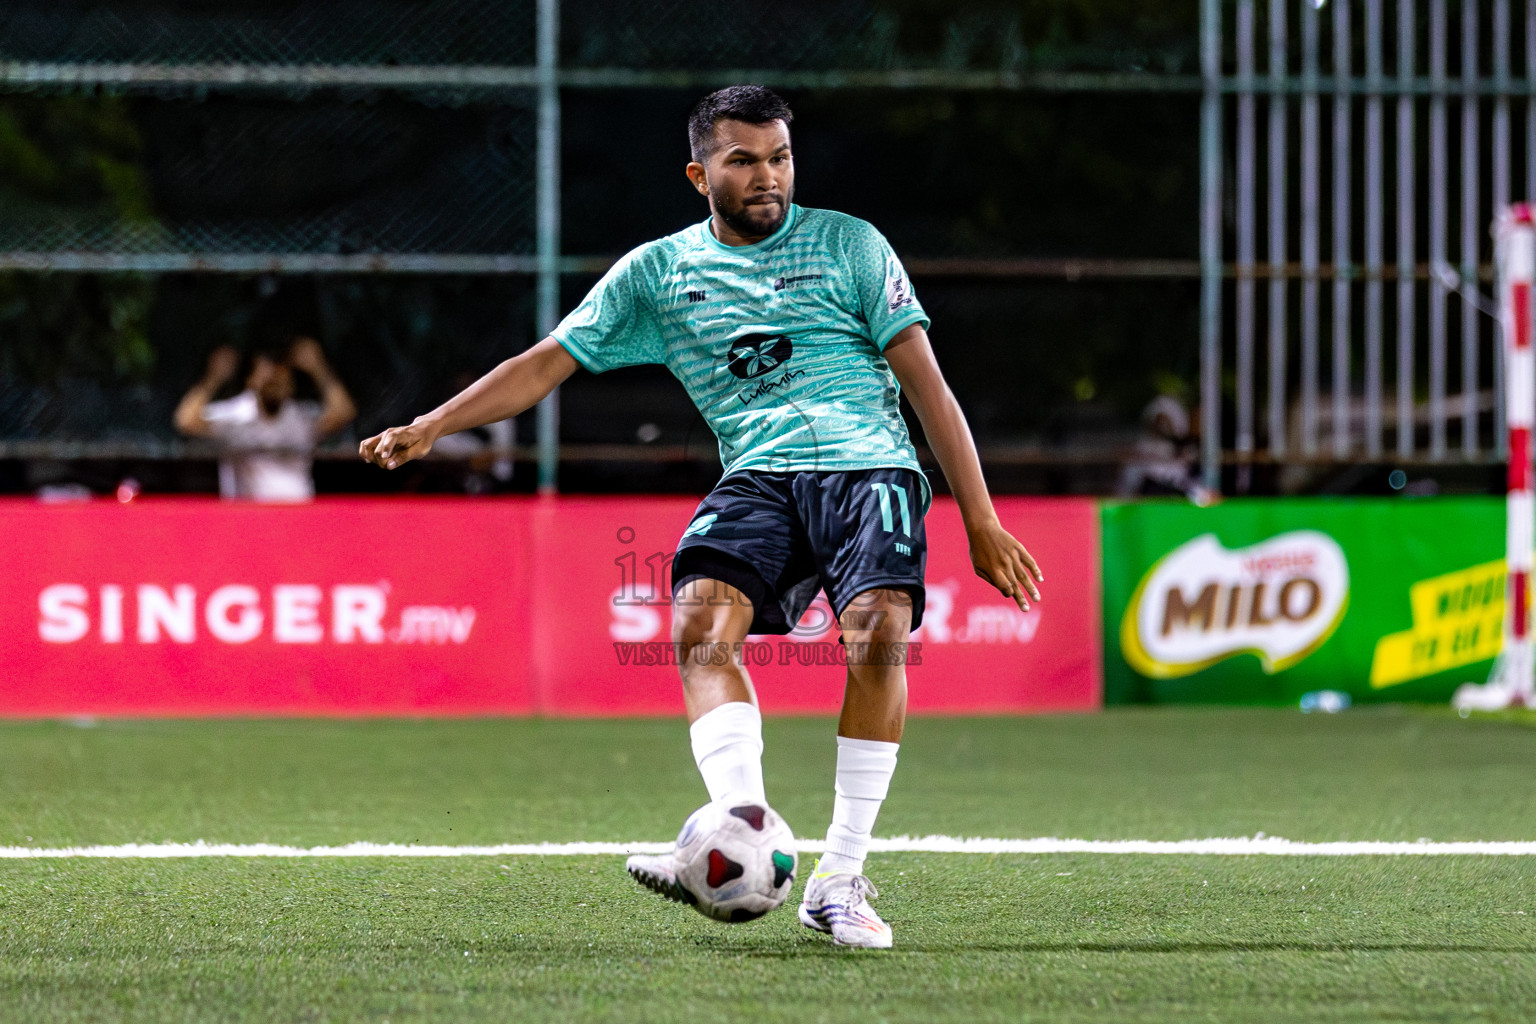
x=1003, y=562
x=397, y=446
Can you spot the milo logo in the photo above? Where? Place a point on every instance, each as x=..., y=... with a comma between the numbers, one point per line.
x=1201, y=603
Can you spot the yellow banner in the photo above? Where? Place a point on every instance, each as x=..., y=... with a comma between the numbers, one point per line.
x=1458, y=619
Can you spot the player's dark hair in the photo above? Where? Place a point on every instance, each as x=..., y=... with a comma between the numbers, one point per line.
x=750, y=104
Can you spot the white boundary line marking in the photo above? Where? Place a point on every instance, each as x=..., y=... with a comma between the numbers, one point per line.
x=1259, y=845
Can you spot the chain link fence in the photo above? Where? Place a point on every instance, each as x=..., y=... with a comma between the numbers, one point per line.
x=343, y=32
x=383, y=174
x=170, y=171
x=638, y=35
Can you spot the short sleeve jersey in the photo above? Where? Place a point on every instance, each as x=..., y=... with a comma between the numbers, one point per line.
x=778, y=343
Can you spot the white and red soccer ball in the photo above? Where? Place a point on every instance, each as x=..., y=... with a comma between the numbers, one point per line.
x=736, y=859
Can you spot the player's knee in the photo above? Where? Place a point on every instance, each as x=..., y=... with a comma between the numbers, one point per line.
x=690, y=626
x=878, y=616
x=702, y=613
x=694, y=626
x=706, y=642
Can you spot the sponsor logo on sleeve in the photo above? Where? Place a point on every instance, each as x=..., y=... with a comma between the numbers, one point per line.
x=1202, y=603
x=898, y=290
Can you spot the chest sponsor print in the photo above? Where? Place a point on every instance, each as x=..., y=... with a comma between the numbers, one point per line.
x=759, y=355
x=753, y=355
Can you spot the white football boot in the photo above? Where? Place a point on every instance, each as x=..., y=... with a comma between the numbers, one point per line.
x=658, y=874
x=839, y=906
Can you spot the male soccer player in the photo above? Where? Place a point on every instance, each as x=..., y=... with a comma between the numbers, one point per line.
x=793, y=331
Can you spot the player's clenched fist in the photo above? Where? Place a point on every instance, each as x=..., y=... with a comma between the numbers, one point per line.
x=397, y=446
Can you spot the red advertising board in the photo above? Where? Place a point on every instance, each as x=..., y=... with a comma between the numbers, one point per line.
x=192, y=607
x=553, y=605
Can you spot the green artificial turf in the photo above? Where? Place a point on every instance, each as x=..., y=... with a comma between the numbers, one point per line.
x=1040, y=938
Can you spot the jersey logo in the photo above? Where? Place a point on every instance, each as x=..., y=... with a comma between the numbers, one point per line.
x=790, y=282
x=756, y=354
x=898, y=290
x=697, y=296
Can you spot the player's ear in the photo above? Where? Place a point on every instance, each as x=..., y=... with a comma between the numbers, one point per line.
x=698, y=176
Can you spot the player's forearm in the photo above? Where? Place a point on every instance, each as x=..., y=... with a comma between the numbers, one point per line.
x=189, y=412
x=337, y=408
x=949, y=436
x=518, y=384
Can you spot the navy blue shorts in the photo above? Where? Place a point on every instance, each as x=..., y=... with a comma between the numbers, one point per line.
x=780, y=537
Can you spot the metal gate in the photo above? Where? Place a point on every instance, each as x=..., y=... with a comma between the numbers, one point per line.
x=1353, y=155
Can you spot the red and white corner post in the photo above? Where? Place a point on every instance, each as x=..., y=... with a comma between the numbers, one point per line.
x=1513, y=681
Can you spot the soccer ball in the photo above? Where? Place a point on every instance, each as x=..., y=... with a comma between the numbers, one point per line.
x=736, y=859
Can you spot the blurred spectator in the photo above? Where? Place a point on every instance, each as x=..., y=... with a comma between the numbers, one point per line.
x=487, y=450
x=1163, y=461
x=266, y=436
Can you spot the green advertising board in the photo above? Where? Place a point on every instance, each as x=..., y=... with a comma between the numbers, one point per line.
x=1260, y=602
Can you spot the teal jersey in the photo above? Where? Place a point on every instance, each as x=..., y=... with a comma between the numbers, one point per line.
x=778, y=343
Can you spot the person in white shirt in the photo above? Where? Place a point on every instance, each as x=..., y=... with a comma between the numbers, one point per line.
x=267, y=437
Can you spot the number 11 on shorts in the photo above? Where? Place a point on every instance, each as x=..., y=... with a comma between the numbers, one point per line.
x=884, y=490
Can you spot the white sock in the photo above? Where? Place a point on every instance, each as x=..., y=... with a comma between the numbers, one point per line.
x=728, y=748
x=864, y=770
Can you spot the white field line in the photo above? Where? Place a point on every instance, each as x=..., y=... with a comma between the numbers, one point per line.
x=1260, y=845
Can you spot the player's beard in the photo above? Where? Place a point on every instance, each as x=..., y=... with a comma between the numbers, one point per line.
x=743, y=223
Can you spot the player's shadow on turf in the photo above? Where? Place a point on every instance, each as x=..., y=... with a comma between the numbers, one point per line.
x=1234, y=946
x=812, y=945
